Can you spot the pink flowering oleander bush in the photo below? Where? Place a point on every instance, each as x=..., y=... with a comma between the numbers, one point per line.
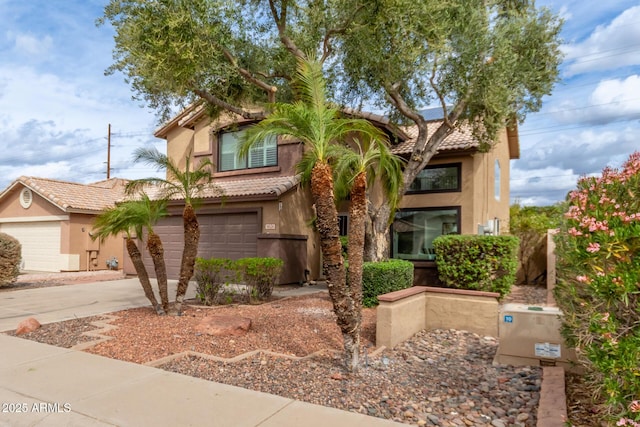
x=598, y=287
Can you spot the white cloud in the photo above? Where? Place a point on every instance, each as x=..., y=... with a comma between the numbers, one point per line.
x=612, y=100
x=540, y=187
x=608, y=47
x=26, y=43
x=583, y=151
x=625, y=94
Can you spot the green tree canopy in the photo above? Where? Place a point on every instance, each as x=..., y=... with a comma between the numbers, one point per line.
x=486, y=63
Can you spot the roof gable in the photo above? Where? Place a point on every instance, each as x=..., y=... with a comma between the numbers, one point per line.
x=72, y=196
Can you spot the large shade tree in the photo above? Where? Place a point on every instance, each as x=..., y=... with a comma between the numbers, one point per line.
x=322, y=129
x=134, y=216
x=186, y=183
x=485, y=63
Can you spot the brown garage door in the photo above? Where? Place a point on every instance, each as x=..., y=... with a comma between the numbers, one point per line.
x=222, y=235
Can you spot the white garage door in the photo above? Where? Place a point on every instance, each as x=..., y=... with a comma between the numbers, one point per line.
x=40, y=243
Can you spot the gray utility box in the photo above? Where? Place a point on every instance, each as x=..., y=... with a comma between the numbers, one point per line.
x=530, y=335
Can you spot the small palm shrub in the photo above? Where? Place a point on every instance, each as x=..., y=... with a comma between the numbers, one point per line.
x=10, y=257
x=598, y=289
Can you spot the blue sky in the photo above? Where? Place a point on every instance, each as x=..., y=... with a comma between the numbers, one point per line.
x=56, y=103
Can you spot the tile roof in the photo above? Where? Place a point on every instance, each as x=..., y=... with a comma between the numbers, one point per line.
x=253, y=187
x=460, y=139
x=72, y=196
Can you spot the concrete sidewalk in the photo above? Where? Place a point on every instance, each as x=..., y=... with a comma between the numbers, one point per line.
x=43, y=385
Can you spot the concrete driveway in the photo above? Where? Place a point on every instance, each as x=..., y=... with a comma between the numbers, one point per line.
x=57, y=303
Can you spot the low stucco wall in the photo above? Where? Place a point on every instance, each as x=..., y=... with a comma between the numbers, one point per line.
x=402, y=314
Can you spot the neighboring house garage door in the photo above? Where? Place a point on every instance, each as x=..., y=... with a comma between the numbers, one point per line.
x=223, y=235
x=40, y=243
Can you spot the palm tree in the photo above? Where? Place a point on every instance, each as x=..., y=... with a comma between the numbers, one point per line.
x=134, y=216
x=186, y=184
x=319, y=126
x=152, y=211
x=356, y=169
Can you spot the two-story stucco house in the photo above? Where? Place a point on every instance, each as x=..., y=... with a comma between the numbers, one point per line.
x=261, y=210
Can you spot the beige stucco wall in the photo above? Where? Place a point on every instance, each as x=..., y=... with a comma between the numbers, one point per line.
x=401, y=314
x=10, y=206
x=179, y=144
x=486, y=205
x=93, y=254
x=464, y=312
x=399, y=320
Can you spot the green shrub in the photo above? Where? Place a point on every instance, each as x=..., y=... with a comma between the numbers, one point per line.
x=211, y=276
x=260, y=275
x=484, y=263
x=598, y=250
x=10, y=257
x=383, y=277
x=344, y=242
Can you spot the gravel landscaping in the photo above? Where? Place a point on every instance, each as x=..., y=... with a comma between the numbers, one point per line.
x=437, y=378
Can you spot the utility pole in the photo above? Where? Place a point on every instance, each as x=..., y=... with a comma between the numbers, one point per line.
x=109, y=152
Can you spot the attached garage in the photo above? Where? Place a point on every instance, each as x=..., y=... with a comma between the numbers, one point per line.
x=225, y=235
x=53, y=222
x=40, y=243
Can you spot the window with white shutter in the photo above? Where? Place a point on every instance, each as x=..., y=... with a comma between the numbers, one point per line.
x=263, y=153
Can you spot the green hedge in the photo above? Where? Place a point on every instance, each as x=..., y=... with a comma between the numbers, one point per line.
x=484, y=263
x=10, y=257
x=383, y=277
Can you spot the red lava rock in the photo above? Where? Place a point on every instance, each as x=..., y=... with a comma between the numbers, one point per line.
x=337, y=376
x=224, y=325
x=27, y=325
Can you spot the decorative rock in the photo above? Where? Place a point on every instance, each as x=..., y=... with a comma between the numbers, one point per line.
x=523, y=416
x=337, y=376
x=27, y=325
x=224, y=325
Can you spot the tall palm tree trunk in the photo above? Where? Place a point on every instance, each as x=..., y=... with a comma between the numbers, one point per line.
x=332, y=262
x=156, y=250
x=356, y=231
x=191, y=239
x=143, y=276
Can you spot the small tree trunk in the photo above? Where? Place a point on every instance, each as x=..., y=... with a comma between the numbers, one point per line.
x=332, y=262
x=357, y=218
x=143, y=276
x=191, y=239
x=154, y=245
x=377, y=238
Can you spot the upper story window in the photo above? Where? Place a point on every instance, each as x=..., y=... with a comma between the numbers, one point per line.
x=263, y=153
x=496, y=180
x=438, y=178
